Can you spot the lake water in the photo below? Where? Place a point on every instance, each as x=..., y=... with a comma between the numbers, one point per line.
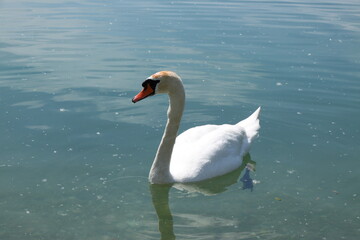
x=75, y=152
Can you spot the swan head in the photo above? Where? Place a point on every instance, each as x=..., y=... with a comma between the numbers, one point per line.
x=160, y=82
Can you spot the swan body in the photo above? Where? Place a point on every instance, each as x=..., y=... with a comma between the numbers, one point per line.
x=201, y=152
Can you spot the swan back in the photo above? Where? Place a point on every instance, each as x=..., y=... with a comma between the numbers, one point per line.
x=212, y=150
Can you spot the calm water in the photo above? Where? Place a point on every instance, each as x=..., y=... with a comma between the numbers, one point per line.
x=75, y=152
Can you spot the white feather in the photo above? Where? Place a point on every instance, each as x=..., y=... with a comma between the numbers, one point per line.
x=212, y=150
x=201, y=152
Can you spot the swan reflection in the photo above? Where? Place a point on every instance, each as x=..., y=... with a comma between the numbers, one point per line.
x=160, y=193
x=160, y=200
x=247, y=180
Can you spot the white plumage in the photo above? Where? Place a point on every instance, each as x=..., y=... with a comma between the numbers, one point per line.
x=212, y=150
x=201, y=152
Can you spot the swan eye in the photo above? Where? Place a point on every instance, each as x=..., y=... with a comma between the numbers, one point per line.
x=144, y=84
x=150, y=82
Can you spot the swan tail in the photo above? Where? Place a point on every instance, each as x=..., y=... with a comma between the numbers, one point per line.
x=251, y=125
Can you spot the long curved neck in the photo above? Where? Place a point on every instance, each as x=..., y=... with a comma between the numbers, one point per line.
x=159, y=172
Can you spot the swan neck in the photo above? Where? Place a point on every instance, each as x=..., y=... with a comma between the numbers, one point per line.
x=160, y=172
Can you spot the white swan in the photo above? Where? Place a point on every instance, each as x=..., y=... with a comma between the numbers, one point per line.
x=201, y=152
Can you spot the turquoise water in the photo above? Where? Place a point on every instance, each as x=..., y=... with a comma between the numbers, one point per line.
x=75, y=152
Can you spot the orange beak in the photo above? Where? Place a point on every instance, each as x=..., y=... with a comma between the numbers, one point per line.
x=147, y=91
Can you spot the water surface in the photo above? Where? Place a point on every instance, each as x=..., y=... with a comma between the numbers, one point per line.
x=75, y=152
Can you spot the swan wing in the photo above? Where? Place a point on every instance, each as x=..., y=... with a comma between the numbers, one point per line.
x=212, y=150
x=207, y=151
